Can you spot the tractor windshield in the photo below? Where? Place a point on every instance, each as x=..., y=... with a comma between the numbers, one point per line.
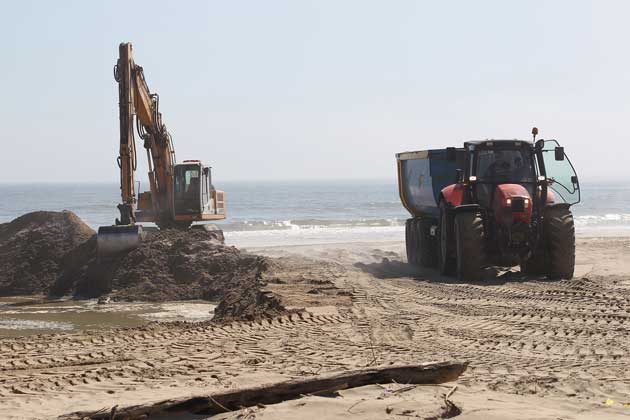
x=505, y=166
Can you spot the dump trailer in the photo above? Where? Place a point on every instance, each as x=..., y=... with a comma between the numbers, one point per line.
x=490, y=203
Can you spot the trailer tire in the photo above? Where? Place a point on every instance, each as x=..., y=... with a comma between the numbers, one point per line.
x=559, y=231
x=446, y=263
x=469, y=238
x=410, y=241
x=427, y=244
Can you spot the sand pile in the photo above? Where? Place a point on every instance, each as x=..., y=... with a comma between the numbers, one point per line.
x=176, y=265
x=55, y=253
x=34, y=248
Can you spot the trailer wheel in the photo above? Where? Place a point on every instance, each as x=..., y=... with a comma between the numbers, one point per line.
x=410, y=241
x=559, y=232
x=446, y=263
x=428, y=247
x=469, y=237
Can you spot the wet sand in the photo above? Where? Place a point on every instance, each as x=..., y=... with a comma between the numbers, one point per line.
x=28, y=315
x=537, y=348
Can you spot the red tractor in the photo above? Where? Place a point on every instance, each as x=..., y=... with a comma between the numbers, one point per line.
x=490, y=203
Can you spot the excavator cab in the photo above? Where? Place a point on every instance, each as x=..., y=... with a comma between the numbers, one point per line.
x=194, y=196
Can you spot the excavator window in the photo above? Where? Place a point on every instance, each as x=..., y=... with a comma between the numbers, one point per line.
x=186, y=180
x=187, y=189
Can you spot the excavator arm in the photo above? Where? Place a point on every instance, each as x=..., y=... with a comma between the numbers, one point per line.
x=136, y=102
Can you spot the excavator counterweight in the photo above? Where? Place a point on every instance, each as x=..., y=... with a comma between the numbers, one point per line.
x=179, y=194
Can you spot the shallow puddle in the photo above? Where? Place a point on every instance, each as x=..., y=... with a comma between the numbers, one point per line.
x=21, y=316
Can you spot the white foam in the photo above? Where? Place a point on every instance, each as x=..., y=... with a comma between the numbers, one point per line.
x=28, y=324
x=182, y=311
x=314, y=235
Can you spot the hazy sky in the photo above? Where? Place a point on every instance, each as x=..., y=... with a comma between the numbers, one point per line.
x=313, y=89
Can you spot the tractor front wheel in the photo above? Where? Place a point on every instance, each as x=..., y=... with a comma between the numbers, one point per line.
x=559, y=231
x=469, y=237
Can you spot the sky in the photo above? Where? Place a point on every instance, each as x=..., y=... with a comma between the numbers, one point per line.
x=327, y=89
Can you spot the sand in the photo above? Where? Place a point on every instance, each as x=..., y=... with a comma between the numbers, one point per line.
x=34, y=250
x=537, y=348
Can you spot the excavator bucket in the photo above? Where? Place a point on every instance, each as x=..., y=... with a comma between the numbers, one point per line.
x=115, y=240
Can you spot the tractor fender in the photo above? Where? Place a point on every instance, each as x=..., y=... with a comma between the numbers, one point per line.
x=453, y=195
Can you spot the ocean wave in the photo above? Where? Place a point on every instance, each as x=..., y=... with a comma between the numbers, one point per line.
x=610, y=219
x=307, y=224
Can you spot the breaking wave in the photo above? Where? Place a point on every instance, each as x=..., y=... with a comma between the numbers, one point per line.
x=611, y=219
x=307, y=224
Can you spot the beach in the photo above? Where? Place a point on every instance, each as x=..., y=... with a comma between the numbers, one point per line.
x=535, y=348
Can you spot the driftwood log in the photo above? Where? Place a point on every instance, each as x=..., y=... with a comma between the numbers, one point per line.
x=427, y=373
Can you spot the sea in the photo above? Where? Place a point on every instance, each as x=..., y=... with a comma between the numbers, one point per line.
x=276, y=213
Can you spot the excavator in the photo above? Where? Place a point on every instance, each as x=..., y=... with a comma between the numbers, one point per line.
x=180, y=193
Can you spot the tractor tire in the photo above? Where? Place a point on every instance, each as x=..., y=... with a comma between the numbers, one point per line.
x=446, y=262
x=559, y=231
x=469, y=238
x=410, y=241
x=427, y=244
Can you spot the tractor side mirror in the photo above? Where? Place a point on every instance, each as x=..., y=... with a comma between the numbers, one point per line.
x=559, y=151
x=459, y=176
x=451, y=154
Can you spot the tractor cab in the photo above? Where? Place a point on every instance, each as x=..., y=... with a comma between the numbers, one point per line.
x=541, y=168
x=498, y=166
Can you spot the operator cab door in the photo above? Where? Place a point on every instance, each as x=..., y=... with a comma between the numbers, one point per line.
x=562, y=179
x=188, y=186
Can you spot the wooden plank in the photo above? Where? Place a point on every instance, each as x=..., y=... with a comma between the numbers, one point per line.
x=427, y=373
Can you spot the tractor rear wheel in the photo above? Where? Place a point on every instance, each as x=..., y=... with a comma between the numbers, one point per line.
x=559, y=231
x=469, y=237
x=446, y=263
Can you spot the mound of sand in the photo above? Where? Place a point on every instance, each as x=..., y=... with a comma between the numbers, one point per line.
x=55, y=253
x=174, y=265
x=33, y=248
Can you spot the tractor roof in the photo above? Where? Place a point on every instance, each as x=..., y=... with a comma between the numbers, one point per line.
x=502, y=142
